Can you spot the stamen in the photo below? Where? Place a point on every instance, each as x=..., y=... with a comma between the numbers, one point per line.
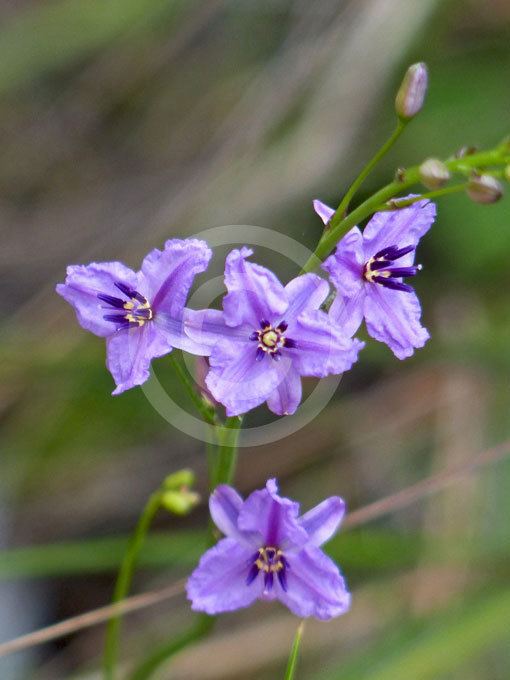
x=394, y=285
x=290, y=343
x=282, y=327
x=112, y=301
x=260, y=354
x=268, y=580
x=282, y=577
x=265, y=324
x=398, y=272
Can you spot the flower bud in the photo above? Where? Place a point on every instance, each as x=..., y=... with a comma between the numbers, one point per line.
x=507, y=173
x=179, y=479
x=484, y=189
x=411, y=94
x=433, y=173
x=180, y=502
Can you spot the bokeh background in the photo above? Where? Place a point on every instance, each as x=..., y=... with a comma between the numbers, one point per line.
x=125, y=122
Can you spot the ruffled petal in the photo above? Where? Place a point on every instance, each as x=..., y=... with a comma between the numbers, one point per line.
x=224, y=505
x=287, y=395
x=345, y=266
x=322, y=521
x=218, y=584
x=175, y=332
x=393, y=317
x=274, y=518
x=323, y=210
x=347, y=312
x=85, y=282
x=254, y=293
x=207, y=327
x=168, y=274
x=314, y=586
x=236, y=379
x=129, y=353
x=322, y=349
x=306, y=292
x=399, y=227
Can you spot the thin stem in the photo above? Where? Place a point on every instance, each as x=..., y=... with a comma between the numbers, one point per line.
x=200, y=629
x=397, y=203
x=123, y=583
x=207, y=412
x=344, y=204
x=294, y=653
x=339, y=225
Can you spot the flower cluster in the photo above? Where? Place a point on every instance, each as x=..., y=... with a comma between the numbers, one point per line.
x=258, y=346
x=267, y=335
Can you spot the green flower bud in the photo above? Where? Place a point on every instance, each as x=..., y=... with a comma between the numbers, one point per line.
x=180, y=502
x=484, y=189
x=507, y=173
x=179, y=479
x=411, y=94
x=433, y=173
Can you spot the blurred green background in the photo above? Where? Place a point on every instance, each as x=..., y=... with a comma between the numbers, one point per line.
x=125, y=122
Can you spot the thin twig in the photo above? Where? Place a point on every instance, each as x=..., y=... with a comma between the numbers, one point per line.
x=92, y=618
x=379, y=508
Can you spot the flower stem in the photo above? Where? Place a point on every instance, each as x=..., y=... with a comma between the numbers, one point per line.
x=398, y=203
x=123, y=583
x=228, y=435
x=344, y=204
x=294, y=652
x=340, y=225
x=206, y=410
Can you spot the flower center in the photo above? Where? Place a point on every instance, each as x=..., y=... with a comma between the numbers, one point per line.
x=380, y=269
x=271, y=339
x=268, y=560
x=132, y=313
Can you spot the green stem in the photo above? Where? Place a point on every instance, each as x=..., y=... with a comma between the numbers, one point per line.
x=206, y=411
x=294, y=653
x=202, y=627
x=338, y=225
x=228, y=435
x=397, y=203
x=123, y=583
x=344, y=204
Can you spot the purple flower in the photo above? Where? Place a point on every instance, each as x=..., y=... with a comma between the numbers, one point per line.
x=367, y=270
x=267, y=337
x=270, y=553
x=139, y=313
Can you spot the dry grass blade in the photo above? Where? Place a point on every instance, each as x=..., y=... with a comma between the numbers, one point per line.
x=396, y=501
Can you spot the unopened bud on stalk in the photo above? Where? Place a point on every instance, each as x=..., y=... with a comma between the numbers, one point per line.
x=180, y=502
x=179, y=479
x=484, y=189
x=433, y=173
x=411, y=94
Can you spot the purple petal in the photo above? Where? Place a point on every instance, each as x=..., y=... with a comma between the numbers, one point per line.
x=400, y=228
x=314, y=586
x=322, y=348
x=224, y=505
x=254, y=292
x=169, y=273
x=218, y=584
x=345, y=266
x=346, y=312
x=287, y=395
x=323, y=210
x=236, y=379
x=207, y=327
x=306, y=292
x=273, y=517
x=322, y=521
x=129, y=353
x=84, y=283
x=393, y=317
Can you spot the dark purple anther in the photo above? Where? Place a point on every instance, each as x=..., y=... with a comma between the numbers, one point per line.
x=112, y=301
